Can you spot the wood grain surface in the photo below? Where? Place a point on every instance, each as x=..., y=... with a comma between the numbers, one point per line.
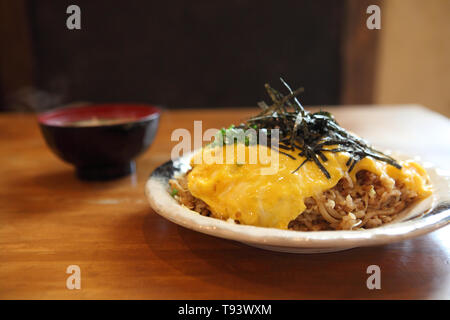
x=50, y=220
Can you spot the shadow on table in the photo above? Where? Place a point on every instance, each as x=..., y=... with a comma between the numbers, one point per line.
x=67, y=181
x=409, y=269
x=55, y=191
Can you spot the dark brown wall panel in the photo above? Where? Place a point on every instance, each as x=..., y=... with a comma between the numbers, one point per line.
x=188, y=53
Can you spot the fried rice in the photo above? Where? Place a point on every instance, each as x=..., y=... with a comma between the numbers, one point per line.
x=368, y=203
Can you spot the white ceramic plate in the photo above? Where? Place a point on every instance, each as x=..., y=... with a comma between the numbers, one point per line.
x=424, y=217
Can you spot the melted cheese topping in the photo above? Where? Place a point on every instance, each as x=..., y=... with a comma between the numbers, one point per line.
x=240, y=192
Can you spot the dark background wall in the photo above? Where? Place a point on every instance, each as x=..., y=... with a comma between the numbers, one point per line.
x=188, y=53
x=183, y=53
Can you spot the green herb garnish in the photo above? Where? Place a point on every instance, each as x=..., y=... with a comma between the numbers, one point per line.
x=174, y=192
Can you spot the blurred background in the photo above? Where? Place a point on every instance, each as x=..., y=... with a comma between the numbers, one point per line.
x=203, y=54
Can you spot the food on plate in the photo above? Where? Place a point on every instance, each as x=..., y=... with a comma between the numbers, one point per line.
x=326, y=178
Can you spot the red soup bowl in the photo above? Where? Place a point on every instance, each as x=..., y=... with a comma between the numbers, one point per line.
x=100, y=140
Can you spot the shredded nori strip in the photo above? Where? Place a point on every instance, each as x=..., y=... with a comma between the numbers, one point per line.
x=310, y=132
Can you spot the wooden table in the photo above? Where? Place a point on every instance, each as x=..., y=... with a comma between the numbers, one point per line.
x=50, y=220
